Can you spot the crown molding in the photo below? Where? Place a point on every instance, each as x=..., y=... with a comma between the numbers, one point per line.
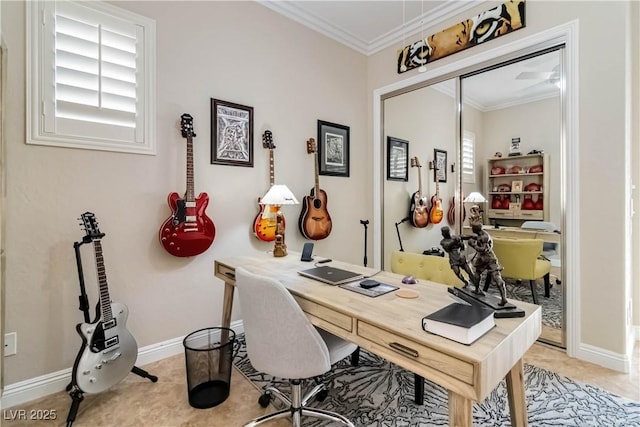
x=368, y=47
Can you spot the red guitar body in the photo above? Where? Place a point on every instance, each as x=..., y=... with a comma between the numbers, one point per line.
x=188, y=238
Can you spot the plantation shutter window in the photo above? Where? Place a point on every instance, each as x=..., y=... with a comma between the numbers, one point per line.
x=468, y=157
x=96, y=67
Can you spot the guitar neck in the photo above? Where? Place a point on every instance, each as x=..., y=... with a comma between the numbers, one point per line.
x=419, y=182
x=317, y=182
x=272, y=174
x=189, y=195
x=105, y=299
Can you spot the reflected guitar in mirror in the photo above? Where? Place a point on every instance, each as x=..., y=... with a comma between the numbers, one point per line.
x=436, y=213
x=419, y=205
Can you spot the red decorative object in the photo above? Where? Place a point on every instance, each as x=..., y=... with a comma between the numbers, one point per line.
x=538, y=204
x=504, y=188
x=496, y=202
x=535, y=169
x=532, y=187
x=528, y=204
x=515, y=169
x=497, y=170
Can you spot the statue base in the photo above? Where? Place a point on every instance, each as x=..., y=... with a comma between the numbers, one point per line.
x=492, y=301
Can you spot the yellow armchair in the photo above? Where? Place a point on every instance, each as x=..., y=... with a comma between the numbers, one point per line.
x=520, y=259
x=426, y=267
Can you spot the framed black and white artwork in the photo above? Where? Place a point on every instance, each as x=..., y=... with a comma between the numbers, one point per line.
x=333, y=149
x=231, y=133
x=397, y=159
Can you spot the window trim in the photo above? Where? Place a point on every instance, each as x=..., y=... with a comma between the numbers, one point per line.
x=36, y=77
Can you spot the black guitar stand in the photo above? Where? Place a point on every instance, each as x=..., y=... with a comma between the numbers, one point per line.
x=76, y=394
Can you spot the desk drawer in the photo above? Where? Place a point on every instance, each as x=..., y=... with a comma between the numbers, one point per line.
x=225, y=273
x=325, y=314
x=500, y=213
x=405, y=348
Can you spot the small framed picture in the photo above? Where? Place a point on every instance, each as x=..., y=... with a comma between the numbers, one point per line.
x=514, y=206
x=333, y=149
x=231, y=134
x=439, y=165
x=516, y=186
x=397, y=159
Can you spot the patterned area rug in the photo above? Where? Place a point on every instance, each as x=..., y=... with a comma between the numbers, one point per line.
x=378, y=393
x=551, y=307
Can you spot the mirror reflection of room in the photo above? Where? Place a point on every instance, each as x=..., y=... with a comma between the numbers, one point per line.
x=510, y=145
x=511, y=115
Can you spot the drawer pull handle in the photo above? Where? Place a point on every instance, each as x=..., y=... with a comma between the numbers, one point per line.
x=403, y=349
x=230, y=275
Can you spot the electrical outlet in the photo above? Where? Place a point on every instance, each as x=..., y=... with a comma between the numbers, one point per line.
x=10, y=343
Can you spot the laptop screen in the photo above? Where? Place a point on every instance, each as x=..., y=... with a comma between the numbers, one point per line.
x=331, y=275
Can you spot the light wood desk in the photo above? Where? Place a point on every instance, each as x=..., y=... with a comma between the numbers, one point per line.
x=517, y=233
x=391, y=327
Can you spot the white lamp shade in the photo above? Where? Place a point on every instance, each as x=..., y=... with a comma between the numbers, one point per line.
x=279, y=194
x=475, y=197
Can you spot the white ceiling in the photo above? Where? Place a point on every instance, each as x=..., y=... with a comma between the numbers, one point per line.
x=369, y=26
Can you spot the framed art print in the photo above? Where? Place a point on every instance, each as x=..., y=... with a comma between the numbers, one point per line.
x=397, y=159
x=231, y=134
x=439, y=165
x=333, y=149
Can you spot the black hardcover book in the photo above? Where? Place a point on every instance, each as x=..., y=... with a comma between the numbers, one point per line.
x=460, y=322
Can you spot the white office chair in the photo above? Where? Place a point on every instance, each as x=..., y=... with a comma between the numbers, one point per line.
x=281, y=341
x=548, y=248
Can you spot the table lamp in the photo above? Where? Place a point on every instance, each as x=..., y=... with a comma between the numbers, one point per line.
x=277, y=196
x=478, y=199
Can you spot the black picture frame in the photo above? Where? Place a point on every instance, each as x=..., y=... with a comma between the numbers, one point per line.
x=397, y=159
x=333, y=149
x=439, y=165
x=231, y=133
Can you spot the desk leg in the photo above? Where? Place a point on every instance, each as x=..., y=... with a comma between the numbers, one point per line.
x=515, y=395
x=227, y=304
x=460, y=410
x=419, y=389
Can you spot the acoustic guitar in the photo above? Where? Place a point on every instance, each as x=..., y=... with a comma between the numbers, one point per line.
x=436, y=213
x=418, y=205
x=188, y=231
x=315, y=221
x=108, y=351
x=264, y=224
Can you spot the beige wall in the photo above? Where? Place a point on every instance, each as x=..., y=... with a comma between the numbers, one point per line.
x=601, y=139
x=237, y=51
x=634, y=17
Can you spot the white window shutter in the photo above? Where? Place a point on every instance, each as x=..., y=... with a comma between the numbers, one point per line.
x=468, y=157
x=97, y=69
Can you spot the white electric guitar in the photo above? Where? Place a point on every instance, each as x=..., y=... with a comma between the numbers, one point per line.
x=108, y=351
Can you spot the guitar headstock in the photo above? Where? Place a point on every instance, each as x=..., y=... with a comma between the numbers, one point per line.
x=186, y=125
x=415, y=163
x=90, y=226
x=311, y=146
x=267, y=140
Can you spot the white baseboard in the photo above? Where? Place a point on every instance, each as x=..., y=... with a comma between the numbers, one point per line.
x=44, y=385
x=608, y=359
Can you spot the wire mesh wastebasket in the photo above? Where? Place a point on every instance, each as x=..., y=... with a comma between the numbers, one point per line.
x=208, y=356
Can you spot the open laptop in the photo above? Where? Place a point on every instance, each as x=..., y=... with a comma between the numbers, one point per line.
x=331, y=275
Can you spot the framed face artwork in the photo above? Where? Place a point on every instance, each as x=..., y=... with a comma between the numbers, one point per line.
x=397, y=159
x=333, y=149
x=439, y=165
x=231, y=134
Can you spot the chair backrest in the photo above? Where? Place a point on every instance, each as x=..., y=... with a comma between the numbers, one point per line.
x=518, y=257
x=543, y=226
x=281, y=340
x=427, y=267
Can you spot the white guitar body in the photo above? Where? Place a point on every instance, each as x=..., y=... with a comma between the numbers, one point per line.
x=104, y=362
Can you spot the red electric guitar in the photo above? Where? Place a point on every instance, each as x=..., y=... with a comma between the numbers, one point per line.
x=418, y=205
x=264, y=224
x=314, y=221
x=188, y=231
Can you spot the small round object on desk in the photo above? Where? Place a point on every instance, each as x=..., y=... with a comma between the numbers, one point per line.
x=406, y=293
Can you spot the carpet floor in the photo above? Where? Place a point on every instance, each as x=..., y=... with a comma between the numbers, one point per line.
x=379, y=393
